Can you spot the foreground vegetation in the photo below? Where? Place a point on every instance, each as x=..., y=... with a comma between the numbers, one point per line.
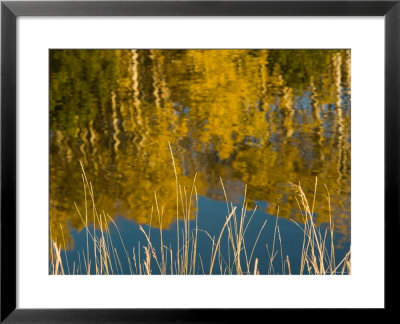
x=102, y=258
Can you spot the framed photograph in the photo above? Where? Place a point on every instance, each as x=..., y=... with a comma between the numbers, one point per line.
x=188, y=161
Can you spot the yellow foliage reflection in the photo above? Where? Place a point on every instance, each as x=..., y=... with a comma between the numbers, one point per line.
x=264, y=118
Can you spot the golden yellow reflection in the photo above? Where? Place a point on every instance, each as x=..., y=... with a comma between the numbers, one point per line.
x=264, y=118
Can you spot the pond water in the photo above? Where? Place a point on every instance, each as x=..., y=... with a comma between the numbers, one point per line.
x=175, y=139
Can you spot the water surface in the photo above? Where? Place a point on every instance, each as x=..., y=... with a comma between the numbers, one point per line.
x=258, y=120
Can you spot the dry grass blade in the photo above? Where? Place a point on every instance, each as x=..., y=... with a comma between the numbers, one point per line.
x=59, y=264
x=219, y=239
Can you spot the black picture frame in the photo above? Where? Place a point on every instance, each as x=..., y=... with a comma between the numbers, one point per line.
x=10, y=10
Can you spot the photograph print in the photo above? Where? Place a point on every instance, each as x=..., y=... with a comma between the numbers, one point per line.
x=200, y=162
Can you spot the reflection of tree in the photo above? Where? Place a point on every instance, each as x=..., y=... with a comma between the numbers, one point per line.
x=260, y=117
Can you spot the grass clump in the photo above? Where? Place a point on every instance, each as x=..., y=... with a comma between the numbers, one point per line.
x=101, y=256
